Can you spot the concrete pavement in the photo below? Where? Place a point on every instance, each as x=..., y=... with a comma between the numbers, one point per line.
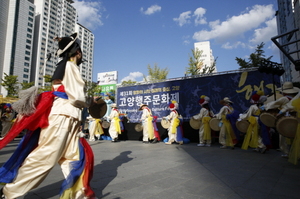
x=133, y=170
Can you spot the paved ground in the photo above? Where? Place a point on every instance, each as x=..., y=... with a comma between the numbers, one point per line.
x=133, y=170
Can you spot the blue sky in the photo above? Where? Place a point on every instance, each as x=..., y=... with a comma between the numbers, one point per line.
x=132, y=34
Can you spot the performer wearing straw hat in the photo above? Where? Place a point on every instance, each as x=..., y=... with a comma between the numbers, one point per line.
x=53, y=124
x=284, y=104
x=147, y=122
x=114, y=128
x=226, y=137
x=174, y=131
x=205, y=115
x=253, y=136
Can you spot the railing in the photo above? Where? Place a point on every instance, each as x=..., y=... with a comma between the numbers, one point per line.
x=194, y=76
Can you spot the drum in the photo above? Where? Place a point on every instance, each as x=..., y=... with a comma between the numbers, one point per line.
x=268, y=117
x=105, y=124
x=287, y=126
x=214, y=124
x=138, y=127
x=195, y=124
x=165, y=124
x=242, y=125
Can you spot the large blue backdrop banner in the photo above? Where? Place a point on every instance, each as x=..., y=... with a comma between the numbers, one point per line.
x=186, y=92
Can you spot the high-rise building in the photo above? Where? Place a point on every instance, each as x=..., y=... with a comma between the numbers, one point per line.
x=207, y=57
x=87, y=46
x=288, y=20
x=53, y=18
x=17, y=18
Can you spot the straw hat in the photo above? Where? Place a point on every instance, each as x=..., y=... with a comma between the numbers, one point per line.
x=288, y=88
x=227, y=100
x=141, y=106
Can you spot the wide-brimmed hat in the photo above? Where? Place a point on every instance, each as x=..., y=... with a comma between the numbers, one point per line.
x=227, y=100
x=288, y=88
x=141, y=106
x=64, y=43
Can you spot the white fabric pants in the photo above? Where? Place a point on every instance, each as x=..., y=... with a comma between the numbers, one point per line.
x=58, y=143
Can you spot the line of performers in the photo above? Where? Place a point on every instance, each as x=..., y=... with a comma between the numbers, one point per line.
x=254, y=127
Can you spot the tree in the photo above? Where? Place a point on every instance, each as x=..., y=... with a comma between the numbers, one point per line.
x=92, y=88
x=48, y=84
x=156, y=74
x=254, y=58
x=196, y=65
x=127, y=83
x=10, y=83
x=26, y=85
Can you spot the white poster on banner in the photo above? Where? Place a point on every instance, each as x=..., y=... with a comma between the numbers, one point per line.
x=107, y=78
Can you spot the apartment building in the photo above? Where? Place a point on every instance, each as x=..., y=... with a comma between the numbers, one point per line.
x=17, y=19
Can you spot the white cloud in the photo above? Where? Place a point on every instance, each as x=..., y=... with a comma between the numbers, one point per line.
x=89, y=13
x=265, y=33
x=183, y=18
x=236, y=25
x=199, y=13
x=133, y=76
x=237, y=44
x=151, y=10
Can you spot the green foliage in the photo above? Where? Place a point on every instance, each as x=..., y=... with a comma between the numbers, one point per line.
x=156, y=74
x=26, y=85
x=254, y=58
x=92, y=88
x=48, y=84
x=196, y=65
x=10, y=83
x=127, y=83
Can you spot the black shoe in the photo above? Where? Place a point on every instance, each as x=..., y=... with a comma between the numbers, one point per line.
x=154, y=141
x=2, y=196
x=145, y=142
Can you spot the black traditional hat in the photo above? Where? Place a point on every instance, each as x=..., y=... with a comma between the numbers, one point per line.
x=65, y=44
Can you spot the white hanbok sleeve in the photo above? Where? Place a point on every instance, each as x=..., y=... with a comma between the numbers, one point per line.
x=74, y=86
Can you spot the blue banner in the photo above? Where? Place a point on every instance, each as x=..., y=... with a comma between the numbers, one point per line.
x=187, y=91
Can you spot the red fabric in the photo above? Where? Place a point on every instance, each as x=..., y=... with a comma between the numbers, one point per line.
x=255, y=97
x=39, y=119
x=172, y=105
x=89, y=168
x=201, y=101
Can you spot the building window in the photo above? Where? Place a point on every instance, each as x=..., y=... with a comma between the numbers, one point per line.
x=27, y=58
x=29, y=36
x=29, y=30
x=30, y=19
x=31, y=14
x=26, y=64
x=28, y=41
x=28, y=47
x=26, y=70
x=25, y=76
x=27, y=52
x=31, y=8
